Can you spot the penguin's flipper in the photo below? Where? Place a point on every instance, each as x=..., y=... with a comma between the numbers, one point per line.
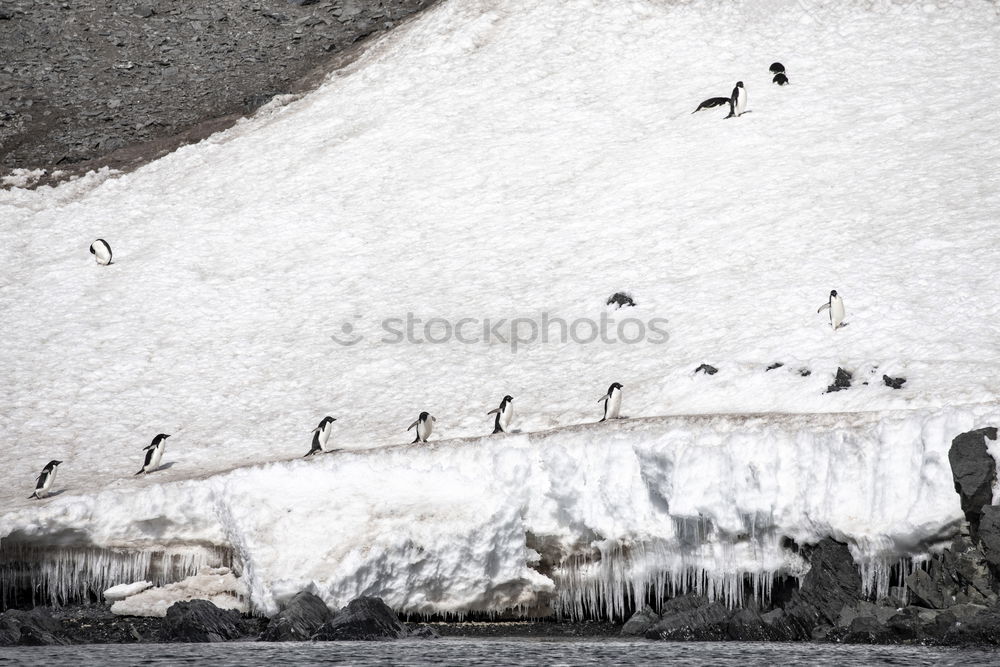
x=33, y=495
x=141, y=471
x=412, y=425
x=493, y=411
x=823, y=307
x=604, y=398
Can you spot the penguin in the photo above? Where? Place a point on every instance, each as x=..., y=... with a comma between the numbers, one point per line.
x=713, y=102
x=836, y=306
x=780, y=79
x=45, y=480
x=425, y=425
x=738, y=101
x=503, y=415
x=154, y=454
x=321, y=436
x=777, y=68
x=101, y=252
x=613, y=402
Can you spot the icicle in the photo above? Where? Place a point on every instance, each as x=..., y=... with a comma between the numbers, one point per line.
x=64, y=575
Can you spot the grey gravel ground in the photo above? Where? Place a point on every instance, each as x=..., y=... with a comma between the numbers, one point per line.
x=82, y=79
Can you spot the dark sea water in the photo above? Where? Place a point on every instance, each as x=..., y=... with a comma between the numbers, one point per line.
x=453, y=651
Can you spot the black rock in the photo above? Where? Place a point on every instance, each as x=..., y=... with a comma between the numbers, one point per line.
x=776, y=68
x=692, y=619
x=780, y=79
x=832, y=582
x=299, y=620
x=365, y=619
x=989, y=535
x=805, y=372
x=6, y=15
x=423, y=632
x=621, y=299
x=866, y=630
x=199, y=621
x=841, y=382
x=641, y=621
x=302, y=3
x=959, y=575
x=895, y=383
x=706, y=369
x=30, y=628
x=751, y=626
x=773, y=366
x=144, y=11
x=974, y=472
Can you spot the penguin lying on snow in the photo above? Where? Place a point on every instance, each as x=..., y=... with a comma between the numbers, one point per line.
x=321, y=436
x=836, y=306
x=713, y=102
x=101, y=252
x=777, y=68
x=45, y=480
x=154, y=454
x=504, y=414
x=780, y=79
x=612, y=402
x=425, y=425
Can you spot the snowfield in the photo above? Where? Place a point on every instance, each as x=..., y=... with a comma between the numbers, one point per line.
x=504, y=159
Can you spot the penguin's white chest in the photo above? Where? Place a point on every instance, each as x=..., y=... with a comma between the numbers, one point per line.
x=424, y=429
x=506, y=415
x=836, y=311
x=101, y=254
x=741, y=100
x=47, y=483
x=614, y=405
x=324, y=436
x=154, y=461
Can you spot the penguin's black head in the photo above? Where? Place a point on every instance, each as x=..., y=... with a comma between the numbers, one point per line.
x=52, y=464
x=160, y=437
x=328, y=419
x=508, y=398
x=833, y=292
x=739, y=84
x=424, y=416
x=614, y=385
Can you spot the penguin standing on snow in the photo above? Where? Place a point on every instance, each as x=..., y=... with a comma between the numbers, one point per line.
x=612, y=402
x=45, y=480
x=321, y=436
x=425, y=426
x=101, y=252
x=836, y=306
x=503, y=415
x=739, y=100
x=154, y=454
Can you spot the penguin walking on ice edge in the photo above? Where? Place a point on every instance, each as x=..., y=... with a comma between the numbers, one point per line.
x=321, y=436
x=612, y=402
x=503, y=415
x=425, y=426
x=45, y=480
x=836, y=307
x=154, y=454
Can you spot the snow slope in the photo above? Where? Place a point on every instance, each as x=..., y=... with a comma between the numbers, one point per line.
x=509, y=159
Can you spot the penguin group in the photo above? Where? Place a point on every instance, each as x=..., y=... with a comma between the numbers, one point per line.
x=737, y=100
x=502, y=415
x=778, y=70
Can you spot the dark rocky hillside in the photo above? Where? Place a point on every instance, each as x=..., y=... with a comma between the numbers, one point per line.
x=80, y=79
